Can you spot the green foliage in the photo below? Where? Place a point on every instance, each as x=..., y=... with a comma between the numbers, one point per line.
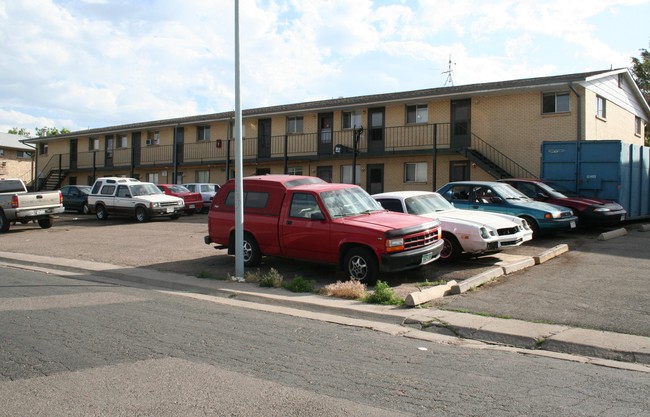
x=383, y=294
x=272, y=279
x=50, y=131
x=299, y=284
x=22, y=132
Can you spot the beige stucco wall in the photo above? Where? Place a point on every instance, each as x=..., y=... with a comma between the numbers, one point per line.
x=618, y=124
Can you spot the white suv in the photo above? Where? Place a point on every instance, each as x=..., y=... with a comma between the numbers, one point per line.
x=131, y=197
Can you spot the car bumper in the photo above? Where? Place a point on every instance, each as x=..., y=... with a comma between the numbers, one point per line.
x=603, y=219
x=558, y=225
x=403, y=261
x=476, y=244
x=38, y=213
x=164, y=211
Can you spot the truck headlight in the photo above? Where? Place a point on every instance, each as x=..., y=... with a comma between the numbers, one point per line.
x=395, y=245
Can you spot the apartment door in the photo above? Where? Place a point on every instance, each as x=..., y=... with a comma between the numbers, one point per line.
x=459, y=171
x=325, y=121
x=108, y=151
x=375, y=178
x=73, y=154
x=461, y=124
x=135, y=149
x=264, y=138
x=324, y=173
x=376, y=130
x=179, y=133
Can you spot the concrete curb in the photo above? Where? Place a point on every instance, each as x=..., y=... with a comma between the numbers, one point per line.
x=612, y=234
x=644, y=228
x=551, y=253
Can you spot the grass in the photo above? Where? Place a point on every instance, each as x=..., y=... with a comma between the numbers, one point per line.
x=299, y=284
x=384, y=295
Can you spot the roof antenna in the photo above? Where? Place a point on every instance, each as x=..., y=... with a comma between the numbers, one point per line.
x=448, y=72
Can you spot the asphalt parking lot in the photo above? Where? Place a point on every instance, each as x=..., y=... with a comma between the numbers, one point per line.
x=601, y=285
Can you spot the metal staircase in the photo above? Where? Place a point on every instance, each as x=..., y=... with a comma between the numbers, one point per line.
x=53, y=180
x=493, y=161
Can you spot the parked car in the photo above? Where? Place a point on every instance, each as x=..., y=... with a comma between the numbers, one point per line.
x=75, y=197
x=463, y=231
x=499, y=197
x=193, y=201
x=589, y=210
x=207, y=191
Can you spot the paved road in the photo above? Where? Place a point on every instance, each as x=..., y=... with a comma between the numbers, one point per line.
x=76, y=348
x=597, y=284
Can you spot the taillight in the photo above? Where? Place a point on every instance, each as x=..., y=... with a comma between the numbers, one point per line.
x=60, y=198
x=14, y=201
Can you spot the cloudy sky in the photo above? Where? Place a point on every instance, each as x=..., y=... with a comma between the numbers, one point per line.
x=84, y=64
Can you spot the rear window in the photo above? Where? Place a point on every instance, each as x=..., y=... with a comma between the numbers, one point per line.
x=252, y=199
x=9, y=186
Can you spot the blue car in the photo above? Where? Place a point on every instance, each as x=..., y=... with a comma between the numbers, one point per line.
x=503, y=198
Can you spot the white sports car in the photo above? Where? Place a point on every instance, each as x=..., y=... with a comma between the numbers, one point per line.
x=462, y=230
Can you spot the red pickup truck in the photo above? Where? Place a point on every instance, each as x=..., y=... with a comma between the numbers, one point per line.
x=309, y=219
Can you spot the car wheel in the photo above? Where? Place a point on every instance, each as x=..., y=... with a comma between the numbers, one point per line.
x=141, y=215
x=252, y=254
x=451, y=249
x=361, y=264
x=84, y=209
x=4, y=223
x=100, y=212
x=533, y=225
x=45, y=223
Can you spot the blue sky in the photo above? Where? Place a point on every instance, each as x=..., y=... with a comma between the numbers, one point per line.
x=84, y=64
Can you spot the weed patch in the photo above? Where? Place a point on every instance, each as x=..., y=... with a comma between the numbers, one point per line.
x=272, y=279
x=351, y=290
x=299, y=284
x=383, y=294
x=428, y=283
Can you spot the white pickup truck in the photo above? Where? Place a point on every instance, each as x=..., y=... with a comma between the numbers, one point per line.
x=17, y=205
x=130, y=197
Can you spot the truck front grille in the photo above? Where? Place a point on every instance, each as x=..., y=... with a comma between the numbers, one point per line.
x=168, y=204
x=418, y=240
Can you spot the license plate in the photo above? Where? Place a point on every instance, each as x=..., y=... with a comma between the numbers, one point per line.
x=39, y=212
x=427, y=257
x=622, y=217
x=573, y=225
x=170, y=210
x=192, y=206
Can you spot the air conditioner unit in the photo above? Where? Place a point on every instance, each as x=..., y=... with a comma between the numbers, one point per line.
x=149, y=142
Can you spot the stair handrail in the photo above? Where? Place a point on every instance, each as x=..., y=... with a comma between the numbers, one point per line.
x=499, y=158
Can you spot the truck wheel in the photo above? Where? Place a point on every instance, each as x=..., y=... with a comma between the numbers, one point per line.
x=101, y=213
x=451, y=249
x=533, y=225
x=361, y=264
x=141, y=215
x=4, y=223
x=252, y=254
x=45, y=223
x=175, y=216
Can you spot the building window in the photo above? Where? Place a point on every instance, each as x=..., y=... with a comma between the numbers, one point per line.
x=351, y=119
x=601, y=107
x=42, y=148
x=415, y=172
x=555, y=103
x=202, y=176
x=417, y=113
x=153, y=137
x=152, y=177
x=294, y=124
x=295, y=170
x=203, y=133
x=122, y=141
x=24, y=154
x=346, y=174
x=620, y=80
x=93, y=144
x=638, y=126
x=2, y=152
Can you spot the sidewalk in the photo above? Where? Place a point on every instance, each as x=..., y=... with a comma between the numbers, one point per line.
x=511, y=332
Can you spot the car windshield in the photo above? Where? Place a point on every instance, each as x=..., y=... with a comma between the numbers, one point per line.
x=144, y=189
x=508, y=192
x=347, y=202
x=178, y=189
x=556, y=191
x=426, y=204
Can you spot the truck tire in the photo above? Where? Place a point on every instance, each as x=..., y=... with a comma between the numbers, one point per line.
x=45, y=223
x=451, y=249
x=100, y=212
x=4, y=223
x=252, y=254
x=361, y=264
x=141, y=215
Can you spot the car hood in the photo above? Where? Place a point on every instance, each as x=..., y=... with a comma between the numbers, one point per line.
x=476, y=218
x=159, y=198
x=583, y=202
x=389, y=220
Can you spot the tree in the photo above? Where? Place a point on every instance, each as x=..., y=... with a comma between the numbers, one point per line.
x=50, y=131
x=22, y=132
x=641, y=75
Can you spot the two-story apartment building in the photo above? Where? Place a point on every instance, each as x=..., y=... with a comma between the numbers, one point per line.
x=405, y=140
x=15, y=158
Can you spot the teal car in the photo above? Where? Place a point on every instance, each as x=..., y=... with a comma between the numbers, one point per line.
x=497, y=197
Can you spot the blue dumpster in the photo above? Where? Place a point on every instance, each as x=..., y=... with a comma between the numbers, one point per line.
x=606, y=169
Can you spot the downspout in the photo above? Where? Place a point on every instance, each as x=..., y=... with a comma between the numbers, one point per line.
x=578, y=138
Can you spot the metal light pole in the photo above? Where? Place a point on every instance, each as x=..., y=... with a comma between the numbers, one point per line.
x=239, y=182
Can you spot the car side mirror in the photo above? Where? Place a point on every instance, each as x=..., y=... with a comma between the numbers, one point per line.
x=317, y=216
x=496, y=200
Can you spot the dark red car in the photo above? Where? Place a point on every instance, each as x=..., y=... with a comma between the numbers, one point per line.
x=193, y=201
x=589, y=210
